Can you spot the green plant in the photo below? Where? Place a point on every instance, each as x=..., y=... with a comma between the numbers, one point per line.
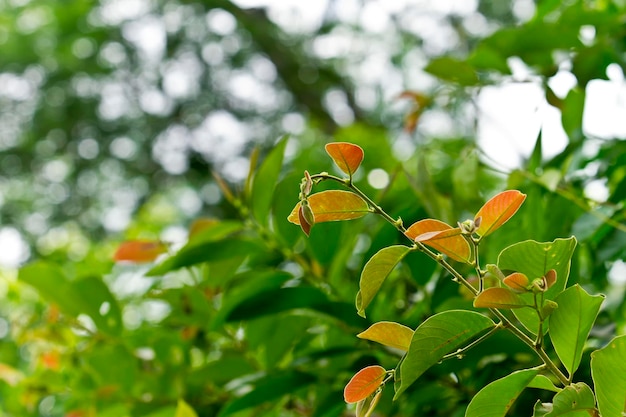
x=524, y=293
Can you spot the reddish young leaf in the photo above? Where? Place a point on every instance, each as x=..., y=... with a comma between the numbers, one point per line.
x=364, y=383
x=139, y=251
x=495, y=212
x=332, y=205
x=441, y=237
x=304, y=223
x=499, y=298
x=550, y=278
x=389, y=334
x=347, y=156
x=518, y=282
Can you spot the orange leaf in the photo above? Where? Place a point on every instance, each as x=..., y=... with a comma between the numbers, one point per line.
x=550, y=278
x=389, y=334
x=441, y=237
x=347, y=156
x=518, y=282
x=499, y=298
x=332, y=205
x=139, y=250
x=498, y=210
x=364, y=383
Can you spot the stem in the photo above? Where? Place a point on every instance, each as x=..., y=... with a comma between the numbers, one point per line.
x=456, y=276
x=461, y=351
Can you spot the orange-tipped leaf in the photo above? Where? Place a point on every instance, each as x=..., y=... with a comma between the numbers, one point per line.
x=364, y=383
x=441, y=237
x=139, y=251
x=517, y=282
x=332, y=205
x=499, y=298
x=498, y=211
x=347, y=156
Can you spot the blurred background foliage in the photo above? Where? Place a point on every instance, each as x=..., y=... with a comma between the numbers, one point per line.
x=125, y=119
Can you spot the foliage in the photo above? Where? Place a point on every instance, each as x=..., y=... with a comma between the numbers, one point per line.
x=246, y=316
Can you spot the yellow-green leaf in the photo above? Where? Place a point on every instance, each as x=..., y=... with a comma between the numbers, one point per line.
x=499, y=298
x=389, y=334
x=333, y=205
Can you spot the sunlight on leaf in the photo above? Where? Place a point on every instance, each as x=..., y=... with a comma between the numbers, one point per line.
x=332, y=205
x=347, y=156
x=441, y=237
x=364, y=383
x=389, y=334
x=576, y=397
x=139, y=251
x=498, y=210
x=499, y=298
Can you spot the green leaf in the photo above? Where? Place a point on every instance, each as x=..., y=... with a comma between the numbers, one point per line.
x=496, y=399
x=452, y=69
x=535, y=259
x=268, y=388
x=375, y=272
x=282, y=299
x=184, y=410
x=575, y=400
x=88, y=296
x=389, y=334
x=572, y=114
x=499, y=298
x=333, y=205
x=543, y=382
x=204, y=252
x=608, y=369
x=265, y=180
x=437, y=336
x=571, y=322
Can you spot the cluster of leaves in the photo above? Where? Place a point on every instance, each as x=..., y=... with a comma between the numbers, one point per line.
x=540, y=305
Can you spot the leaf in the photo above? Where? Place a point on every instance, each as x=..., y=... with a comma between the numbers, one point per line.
x=499, y=298
x=364, y=383
x=200, y=225
x=495, y=212
x=535, y=259
x=265, y=180
x=333, y=205
x=450, y=243
x=204, y=252
x=452, y=69
x=184, y=410
x=139, y=251
x=571, y=322
x=268, y=388
x=608, y=369
x=347, y=156
x=389, y=334
x=543, y=382
x=574, y=400
x=437, y=336
x=517, y=282
x=375, y=272
x=496, y=399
